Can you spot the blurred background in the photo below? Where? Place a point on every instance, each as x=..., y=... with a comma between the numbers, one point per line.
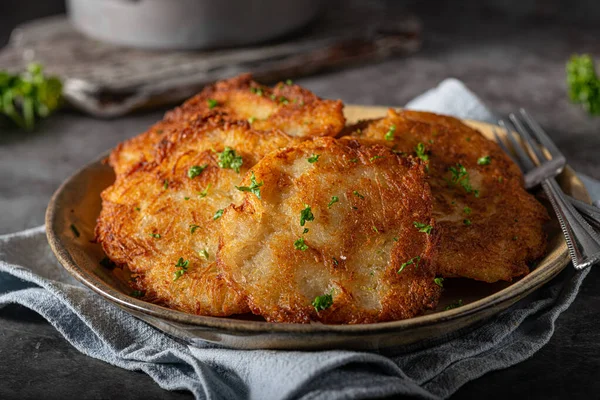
x=120, y=71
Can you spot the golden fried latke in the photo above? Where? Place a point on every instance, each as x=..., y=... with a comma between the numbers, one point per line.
x=334, y=229
x=286, y=107
x=490, y=226
x=161, y=219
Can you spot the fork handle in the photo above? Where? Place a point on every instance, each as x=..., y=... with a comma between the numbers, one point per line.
x=591, y=213
x=582, y=241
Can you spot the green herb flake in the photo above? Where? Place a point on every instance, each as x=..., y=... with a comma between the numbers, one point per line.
x=334, y=199
x=485, y=160
x=389, y=136
x=500, y=179
x=459, y=175
x=212, y=103
x=322, y=302
x=254, y=187
x=196, y=170
x=421, y=152
x=413, y=261
x=314, y=158
x=305, y=231
x=456, y=304
x=283, y=100
x=335, y=261
x=467, y=210
x=256, y=90
x=375, y=158
x=289, y=82
x=204, y=254
x=193, y=228
x=137, y=293
x=306, y=215
x=425, y=228
x=75, y=230
x=155, y=235
x=251, y=120
x=360, y=196
x=354, y=160
x=204, y=193
x=218, y=214
x=300, y=245
x=467, y=222
x=439, y=282
x=138, y=209
x=395, y=239
x=228, y=159
x=166, y=184
x=186, y=198
x=183, y=268
x=375, y=229
x=515, y=238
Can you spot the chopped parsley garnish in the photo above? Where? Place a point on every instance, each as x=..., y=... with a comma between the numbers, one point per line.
x=467, y=210
x=300, y=245
x=334, y=199
x=335, y=261
x=439, y=282
x=218, y=214
x=375, y=229
x=186, y=198
x=204, y=192
x=155, y=235
x=414, y=260
x=251, y=120
x=212, y=103
x=456, y=304
x=468, y=139
x=137, y=293
x=354, y=160
x=204, y=254
x=166, y=184
x=486, y=160
x=425, y=228
x=138, y=209
x=460, y=175
x=500, y=179
x=107, y=263
x=314, y=158
x=322, y=302
x=273, y=97
x=196, y=170
x=390, y=133
x=183, y=267
x=306, y=215
x=515, y=238
x=360, y=196
x=283, y=100
x=421, y=152
x=256, y=90
x=395, y=239
x=583, y=83
x=289, y=82
x=467, y=222
x=229, y=159
x=375, y=158
x=254, y=187
x=305, y=231
x=75, y=231
x=193, y=228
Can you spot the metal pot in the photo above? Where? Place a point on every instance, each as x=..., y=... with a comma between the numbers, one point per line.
x=189, y=24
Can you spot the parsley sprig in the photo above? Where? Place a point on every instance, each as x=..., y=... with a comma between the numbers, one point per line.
x=323, y=302
x=425, y=228
x=196, y=170
x=459, y=175
x=29, y=96
x=413, y=261
x=583, y=83
x=183, y=268
x=306, y=215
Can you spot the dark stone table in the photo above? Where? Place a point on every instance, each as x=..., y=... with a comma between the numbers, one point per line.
x=509, y=59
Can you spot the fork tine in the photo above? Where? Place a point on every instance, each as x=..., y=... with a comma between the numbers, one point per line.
x=524, y=159
x=505, y=149
x=541, y=135
x=526, y=136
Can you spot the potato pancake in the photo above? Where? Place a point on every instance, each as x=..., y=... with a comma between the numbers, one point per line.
x=161, y=219
x=490, y=227
x=286, y=107
x=333, y=231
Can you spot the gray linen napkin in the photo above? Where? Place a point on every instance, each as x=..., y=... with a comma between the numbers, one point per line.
x=31, y=276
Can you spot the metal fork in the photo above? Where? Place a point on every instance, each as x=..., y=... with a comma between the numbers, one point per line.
x=582, y=241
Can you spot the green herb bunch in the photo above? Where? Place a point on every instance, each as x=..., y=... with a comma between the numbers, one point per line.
x=584, y=85
x=26, y=97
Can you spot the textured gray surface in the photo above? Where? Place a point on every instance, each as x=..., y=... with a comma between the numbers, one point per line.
x=508, y=61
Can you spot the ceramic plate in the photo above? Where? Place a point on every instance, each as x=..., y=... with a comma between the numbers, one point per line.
x=78, y=202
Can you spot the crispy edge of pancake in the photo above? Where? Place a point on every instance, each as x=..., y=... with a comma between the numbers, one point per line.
x=263, y=225
x=139, y=196
x=522, y=218
x=288, y=108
